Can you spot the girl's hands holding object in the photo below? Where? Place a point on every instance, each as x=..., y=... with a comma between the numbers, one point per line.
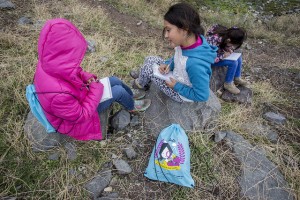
x=92, y=80
x=171, y=83
x=226, y=54
x=164, y=69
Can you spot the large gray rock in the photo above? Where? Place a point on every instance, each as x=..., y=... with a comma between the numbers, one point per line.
x=41, y=140
x=275, y=118
x=216, y=85
x=260, y=178
x=191, y=116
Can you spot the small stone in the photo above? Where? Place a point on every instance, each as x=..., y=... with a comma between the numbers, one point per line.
x=24, y=21
x=72, y=172
x=114, y=181
x=219, y=136
x=275, y=118
x=134, y=121
x=5, y=4
x=54, y=156
x=108, y=189
x=248, y=47
x=139, y=23
x=102, y=143
x=114, y=156
x=130, y=153
x=122, y=166
x=91, y=47
x=120, y=120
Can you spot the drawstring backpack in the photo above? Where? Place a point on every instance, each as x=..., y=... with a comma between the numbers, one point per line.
x=170, y=158
x=37, y=109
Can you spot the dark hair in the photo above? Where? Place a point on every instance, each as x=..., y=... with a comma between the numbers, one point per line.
x=163, y=146
x=236, y=35
x=185, y=17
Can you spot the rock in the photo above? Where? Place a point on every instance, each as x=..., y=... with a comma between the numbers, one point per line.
x=248, y=47
x=91, y=47
x=103, y=143
x=272, y=136
x=38, y=137
x=275, y=118
x=98, y=183
x=71, y=151
x=165, y=111
x=244, y=97
x=54, y=156
x=134, y=121
x=120, y=120
x=219, y=136
x=122, y=166
x=72, y=172
x=130, y=153
x=5, y=4
x=108, y=189
x=41, y=140
x=260, y=178
x=260, y=130
x=24, y=21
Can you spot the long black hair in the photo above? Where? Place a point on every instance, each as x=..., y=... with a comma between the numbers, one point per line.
x=236, y=35
x=184, y=17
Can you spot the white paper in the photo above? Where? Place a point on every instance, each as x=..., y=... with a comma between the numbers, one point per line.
x=233, y=56
x=157, y=74
x=107, y=94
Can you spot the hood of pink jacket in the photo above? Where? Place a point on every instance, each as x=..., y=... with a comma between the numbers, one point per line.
x=61, y=48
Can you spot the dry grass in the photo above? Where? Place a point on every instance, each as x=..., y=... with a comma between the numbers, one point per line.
x=30, y=175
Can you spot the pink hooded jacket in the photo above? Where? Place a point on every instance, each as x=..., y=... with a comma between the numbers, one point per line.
x=70, y=104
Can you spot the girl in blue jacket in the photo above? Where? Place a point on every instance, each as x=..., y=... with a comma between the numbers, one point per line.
x=191, y=63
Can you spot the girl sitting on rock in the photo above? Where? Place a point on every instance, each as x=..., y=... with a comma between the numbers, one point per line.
x=69, y=96
x=228, y=40
x=191, y=63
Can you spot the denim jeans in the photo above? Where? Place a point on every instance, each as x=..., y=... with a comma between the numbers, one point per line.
x=234, y=68
x=121, y=93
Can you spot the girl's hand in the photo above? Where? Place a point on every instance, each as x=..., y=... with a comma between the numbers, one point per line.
x=90, y=80
x=164, y=69
x=171, y=83
x=226, y=54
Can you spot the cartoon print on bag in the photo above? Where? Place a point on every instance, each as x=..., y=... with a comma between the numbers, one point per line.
x=169, y=155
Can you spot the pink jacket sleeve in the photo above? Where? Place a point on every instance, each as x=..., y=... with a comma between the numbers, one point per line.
x=67, y=107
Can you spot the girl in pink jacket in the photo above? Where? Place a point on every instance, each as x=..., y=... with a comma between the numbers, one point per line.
x=68, y=95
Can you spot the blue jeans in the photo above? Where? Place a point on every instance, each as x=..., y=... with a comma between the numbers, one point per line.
x=121, y=93
x=234, y=68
